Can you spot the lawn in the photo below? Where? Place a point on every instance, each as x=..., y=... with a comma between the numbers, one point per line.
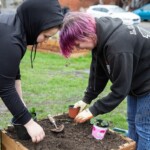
x=56, y=82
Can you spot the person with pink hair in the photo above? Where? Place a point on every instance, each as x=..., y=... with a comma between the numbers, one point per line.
x=121, y=54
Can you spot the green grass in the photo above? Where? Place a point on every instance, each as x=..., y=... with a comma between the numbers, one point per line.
x=56, y=82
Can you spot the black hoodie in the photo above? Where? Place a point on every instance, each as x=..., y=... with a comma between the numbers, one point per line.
x=39, y=15
x=123, y=56
x=16, y=32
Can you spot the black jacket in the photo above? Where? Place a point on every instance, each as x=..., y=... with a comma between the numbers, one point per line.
x=16, y=32
x=123, y=56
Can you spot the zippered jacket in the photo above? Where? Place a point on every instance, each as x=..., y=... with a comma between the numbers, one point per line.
x=122, y=55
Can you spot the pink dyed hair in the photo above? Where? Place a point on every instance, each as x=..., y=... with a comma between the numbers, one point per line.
x=76, y=26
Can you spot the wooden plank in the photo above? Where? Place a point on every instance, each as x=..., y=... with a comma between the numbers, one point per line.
x=130, y=145
x=10, y=144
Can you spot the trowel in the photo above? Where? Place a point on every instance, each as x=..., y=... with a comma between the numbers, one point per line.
x=59, y=128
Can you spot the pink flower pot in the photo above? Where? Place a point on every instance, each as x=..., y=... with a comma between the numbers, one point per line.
x=98, y=132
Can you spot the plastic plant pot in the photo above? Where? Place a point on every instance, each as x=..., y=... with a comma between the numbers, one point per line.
x=98, y=132
x=99, y=129
x=73, y=111
x=21, y=132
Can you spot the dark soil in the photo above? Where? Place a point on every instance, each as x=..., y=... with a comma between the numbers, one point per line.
x=74, y=137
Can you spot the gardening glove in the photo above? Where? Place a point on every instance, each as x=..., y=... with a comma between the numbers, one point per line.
x=35, y=131
x=80, y=104
x=83, y=116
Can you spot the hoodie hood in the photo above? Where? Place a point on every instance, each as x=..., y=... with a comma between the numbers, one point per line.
x=105, y=26
x=39, y=15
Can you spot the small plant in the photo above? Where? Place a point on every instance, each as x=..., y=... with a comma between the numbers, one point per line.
x=100, y=123
x=33, y=113
x=103, y=123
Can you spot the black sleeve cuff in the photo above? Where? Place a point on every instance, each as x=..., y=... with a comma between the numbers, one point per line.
x=93, y=111
x=18, y=76
x=22, y=118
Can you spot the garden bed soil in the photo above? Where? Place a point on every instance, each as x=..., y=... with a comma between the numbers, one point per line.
x=74, y=137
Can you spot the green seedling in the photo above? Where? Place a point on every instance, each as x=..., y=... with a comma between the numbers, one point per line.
x=33, y=113
x=104, y=124
x=100, y=123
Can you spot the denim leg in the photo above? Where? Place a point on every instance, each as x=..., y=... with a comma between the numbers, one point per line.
x=131, y=113
x=142, y=122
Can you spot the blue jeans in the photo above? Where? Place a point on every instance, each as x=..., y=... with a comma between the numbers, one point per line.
x=138, y=112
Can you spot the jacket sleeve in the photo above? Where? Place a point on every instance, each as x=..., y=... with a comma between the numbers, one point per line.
x=96, y=84
x=121, y=67
x=12, y=100
x=12, y=50
x=18, y=76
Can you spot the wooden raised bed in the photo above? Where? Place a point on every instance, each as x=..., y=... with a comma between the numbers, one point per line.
x=11, y=144
x=52, y=46
x=8, y=143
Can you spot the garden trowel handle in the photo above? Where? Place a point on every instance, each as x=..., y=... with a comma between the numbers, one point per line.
x=52, y=120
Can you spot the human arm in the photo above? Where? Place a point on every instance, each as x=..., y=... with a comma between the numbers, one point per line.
x=15, y=105
x=19, y=89
x=35, y=130
x=12, y=100
x=121, y=66
x=119, y=54
x=18, y=85
x=10, y=92
x=121, y=77
x=97, y=82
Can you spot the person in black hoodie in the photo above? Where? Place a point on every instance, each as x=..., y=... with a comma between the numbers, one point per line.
x=33, y=22
x=121, y=54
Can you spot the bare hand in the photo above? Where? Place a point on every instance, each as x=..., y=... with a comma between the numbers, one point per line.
x=35, y=131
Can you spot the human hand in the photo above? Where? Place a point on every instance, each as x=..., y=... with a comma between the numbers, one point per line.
x=35, y=131
x=83, y=116
x=80, y=104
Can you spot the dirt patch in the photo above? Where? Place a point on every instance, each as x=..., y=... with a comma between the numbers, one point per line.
x=74, y=137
